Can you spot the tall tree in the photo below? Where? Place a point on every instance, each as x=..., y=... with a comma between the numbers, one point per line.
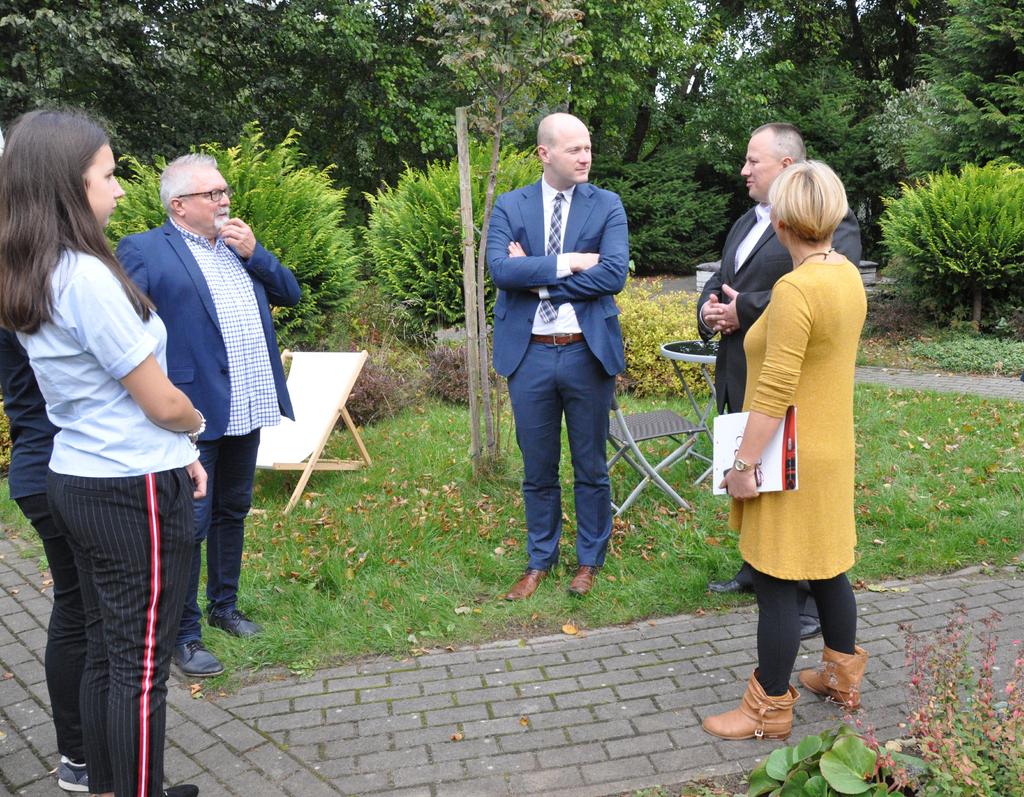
x=512, y=56
x=976, y=76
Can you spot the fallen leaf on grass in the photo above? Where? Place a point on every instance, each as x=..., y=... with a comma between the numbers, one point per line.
x=463, y=610
x=877, y=541
x=570, y=629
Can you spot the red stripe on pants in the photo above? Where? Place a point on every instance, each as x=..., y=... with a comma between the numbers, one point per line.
x=149, y=647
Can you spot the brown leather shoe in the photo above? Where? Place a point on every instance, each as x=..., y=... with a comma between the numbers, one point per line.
x=584, y=580
x=526, y=585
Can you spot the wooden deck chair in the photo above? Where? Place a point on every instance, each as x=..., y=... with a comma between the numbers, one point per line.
x=319, y=384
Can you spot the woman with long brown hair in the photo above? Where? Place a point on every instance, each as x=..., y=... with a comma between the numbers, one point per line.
x=124, y=468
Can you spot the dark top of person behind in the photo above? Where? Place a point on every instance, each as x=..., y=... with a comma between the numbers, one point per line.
x=31, y=430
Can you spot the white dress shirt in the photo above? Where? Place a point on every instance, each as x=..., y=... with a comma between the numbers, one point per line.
x=764, y=221
x=566, y=323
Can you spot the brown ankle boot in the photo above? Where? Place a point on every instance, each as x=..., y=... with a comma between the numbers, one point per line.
x=758, y=715
x=838, y=676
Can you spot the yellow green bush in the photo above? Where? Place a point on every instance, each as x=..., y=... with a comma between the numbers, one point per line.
x=5, y=444
x=651, y=317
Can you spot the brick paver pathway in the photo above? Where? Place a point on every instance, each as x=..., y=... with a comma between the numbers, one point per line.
x=580, y=717
x=997, y=387
x=617, y=710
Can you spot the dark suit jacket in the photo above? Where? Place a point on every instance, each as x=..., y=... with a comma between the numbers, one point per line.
x=767, y=261
x=596, y=223
x=160, y=263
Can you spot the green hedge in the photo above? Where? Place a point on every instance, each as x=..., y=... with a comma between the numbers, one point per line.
x=414, y=232
x=649, y=318
x=294, y=211
x=957, y=240
x=674, y=220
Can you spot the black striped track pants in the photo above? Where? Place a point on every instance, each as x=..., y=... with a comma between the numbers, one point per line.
x=133, y=540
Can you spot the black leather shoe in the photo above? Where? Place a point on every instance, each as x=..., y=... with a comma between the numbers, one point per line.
x=809, y=626
x=183, y=790
x=235, y=623
x=729, y=585
x=197, y=662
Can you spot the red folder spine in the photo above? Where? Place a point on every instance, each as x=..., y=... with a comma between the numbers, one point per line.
x=789, y=456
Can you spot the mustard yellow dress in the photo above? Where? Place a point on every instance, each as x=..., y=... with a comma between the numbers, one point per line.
x=802, y=351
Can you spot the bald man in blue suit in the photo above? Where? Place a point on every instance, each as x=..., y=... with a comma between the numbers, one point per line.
x=558, y=251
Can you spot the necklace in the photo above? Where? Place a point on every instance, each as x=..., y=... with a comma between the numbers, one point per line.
x=826, y=253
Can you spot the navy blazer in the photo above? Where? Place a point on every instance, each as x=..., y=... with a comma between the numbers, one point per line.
x=160, y=263
x=596, y=223
x=767, y=262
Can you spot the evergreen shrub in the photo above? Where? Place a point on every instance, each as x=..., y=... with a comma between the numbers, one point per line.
x=958, y=240
x=294, y=211
x=414, y=232
x=972, y=353
x=649, y=318
x=674, y=220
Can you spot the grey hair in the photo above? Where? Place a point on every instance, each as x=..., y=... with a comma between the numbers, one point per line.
x=788, y=140
x=176, y=178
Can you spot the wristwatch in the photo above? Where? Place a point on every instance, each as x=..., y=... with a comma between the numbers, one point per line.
x=193, y=436
x=741, y=466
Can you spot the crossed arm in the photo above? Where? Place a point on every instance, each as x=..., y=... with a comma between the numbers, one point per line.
x=592, y=274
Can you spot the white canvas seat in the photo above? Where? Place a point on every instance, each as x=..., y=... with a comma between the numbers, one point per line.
x=319, y=384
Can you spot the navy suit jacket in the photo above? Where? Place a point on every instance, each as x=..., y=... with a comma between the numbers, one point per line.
x=160, y=263
x=596, y=223
x=767, y=261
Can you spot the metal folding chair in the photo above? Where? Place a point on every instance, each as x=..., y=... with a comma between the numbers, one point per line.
x=625, y=432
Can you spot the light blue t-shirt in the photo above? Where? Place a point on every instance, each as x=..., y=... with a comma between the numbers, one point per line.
x=94, y=339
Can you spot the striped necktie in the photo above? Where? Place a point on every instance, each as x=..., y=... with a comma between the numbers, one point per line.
x=547, y=311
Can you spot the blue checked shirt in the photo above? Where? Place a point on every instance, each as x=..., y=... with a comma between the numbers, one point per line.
x=253, y=394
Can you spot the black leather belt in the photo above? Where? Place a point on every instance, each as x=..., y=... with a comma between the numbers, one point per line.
x=558, y=340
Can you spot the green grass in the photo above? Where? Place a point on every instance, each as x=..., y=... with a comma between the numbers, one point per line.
x=410, y=554
x=957, y=351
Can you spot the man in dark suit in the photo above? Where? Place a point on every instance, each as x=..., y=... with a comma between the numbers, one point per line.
x=753, y=259
x=558, y=251
x=213, y=285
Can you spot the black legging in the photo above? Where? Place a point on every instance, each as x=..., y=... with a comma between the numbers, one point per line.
x=778, y=625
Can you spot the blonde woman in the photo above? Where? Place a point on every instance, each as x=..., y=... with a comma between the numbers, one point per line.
x=801, y=351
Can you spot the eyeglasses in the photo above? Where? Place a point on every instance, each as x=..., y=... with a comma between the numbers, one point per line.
x=213, y=196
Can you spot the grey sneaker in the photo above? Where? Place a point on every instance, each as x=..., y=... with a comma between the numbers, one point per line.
x=72, y=776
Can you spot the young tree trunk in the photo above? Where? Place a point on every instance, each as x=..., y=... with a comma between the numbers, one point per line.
x=481, y=263
x=469, y=286
x=976, y=308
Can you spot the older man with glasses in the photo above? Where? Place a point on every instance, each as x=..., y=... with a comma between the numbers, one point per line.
x=213, y=285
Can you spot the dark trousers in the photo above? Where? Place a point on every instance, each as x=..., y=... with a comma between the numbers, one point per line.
x=65, y=635
x=549, y=382
x=778, y=623
x=808, y=608
x=132, y=539
x=230, y=464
